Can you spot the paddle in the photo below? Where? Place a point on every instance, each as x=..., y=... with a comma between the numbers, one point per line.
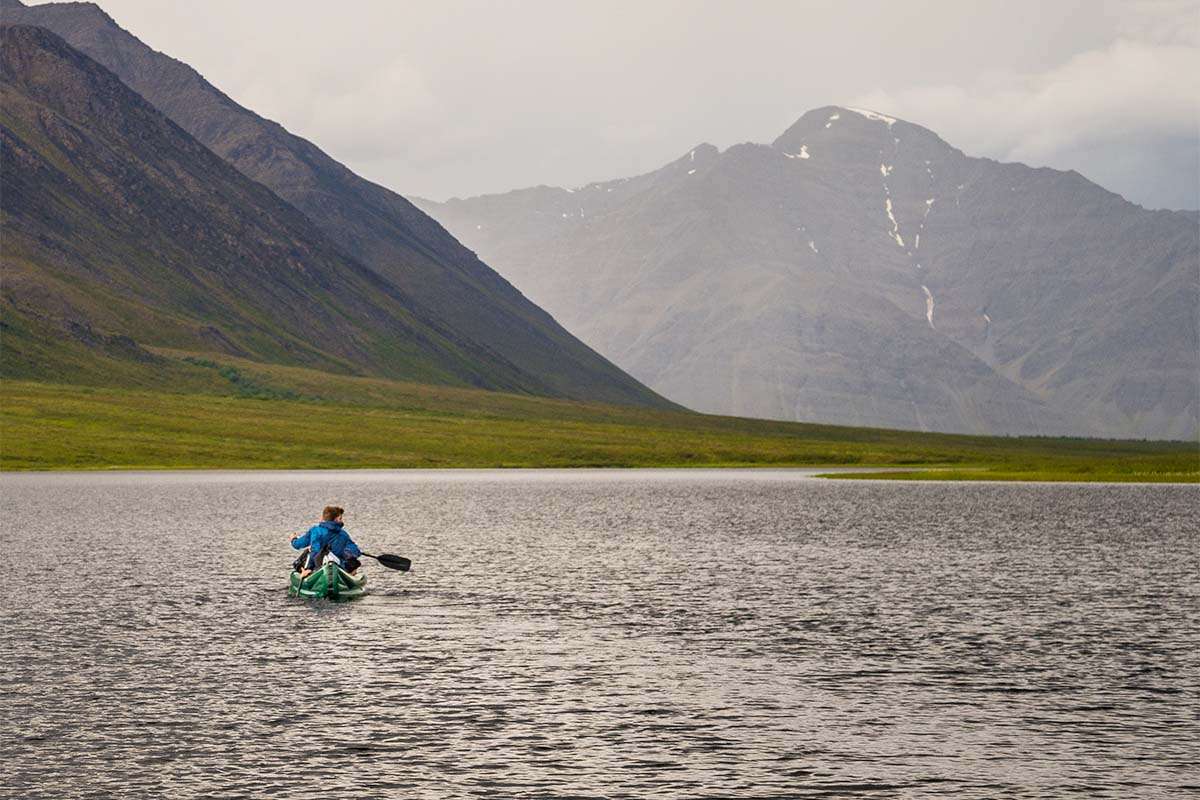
x=392, y=562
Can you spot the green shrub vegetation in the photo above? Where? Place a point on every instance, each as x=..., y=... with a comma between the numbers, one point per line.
x=240, y=414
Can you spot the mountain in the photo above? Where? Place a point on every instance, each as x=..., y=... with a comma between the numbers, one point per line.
x=860, y=270
x=121, y=230
x=499, y=339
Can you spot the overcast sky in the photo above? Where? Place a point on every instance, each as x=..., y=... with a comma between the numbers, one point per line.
x=460, y=98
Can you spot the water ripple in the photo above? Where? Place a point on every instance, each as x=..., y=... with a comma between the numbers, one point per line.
x=646, y=634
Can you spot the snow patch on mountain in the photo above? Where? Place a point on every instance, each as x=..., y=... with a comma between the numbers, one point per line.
x=874, y=115
x=895, y=231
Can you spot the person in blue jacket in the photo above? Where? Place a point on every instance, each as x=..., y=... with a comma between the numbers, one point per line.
x=328, y=536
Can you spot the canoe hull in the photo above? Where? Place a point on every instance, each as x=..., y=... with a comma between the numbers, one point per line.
x=330, y=582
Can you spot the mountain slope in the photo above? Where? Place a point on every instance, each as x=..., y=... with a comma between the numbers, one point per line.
x=440, y=279
x=860, y=270
x=120, y=230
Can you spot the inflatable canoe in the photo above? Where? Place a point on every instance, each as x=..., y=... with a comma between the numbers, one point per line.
x=329, y=581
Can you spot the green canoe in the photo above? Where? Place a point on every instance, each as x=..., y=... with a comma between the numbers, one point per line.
x=329, y=581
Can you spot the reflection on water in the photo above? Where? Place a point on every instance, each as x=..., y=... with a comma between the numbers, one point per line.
x=748, y=634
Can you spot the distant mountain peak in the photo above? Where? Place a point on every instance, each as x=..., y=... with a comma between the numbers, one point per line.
x=861, y=270
x=858, y=134
x=698, y=156
x=65, y=8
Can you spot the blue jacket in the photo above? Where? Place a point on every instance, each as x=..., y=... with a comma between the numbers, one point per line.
x=327, y=533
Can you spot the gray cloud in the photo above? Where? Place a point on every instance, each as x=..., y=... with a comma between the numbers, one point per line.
x=1125, y=115
x=461, y=97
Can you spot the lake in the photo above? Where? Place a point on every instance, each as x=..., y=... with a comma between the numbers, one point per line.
x=601, y=634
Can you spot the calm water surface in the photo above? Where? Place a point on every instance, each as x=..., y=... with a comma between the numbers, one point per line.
x=617, y=634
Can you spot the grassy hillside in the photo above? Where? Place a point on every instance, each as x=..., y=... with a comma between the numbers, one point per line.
x=240, y=414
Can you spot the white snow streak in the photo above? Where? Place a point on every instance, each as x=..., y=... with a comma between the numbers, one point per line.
x=829, y=124
x=812, y=246
x=874, y=115
x=928, y=305
x=895, y=232
x=802, y=154
x=691, y=172
x=921, y=227
x=885, y=169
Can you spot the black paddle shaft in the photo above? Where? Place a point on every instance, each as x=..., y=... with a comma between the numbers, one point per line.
x=392, y=562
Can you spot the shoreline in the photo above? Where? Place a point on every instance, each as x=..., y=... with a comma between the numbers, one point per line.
x=822, y=473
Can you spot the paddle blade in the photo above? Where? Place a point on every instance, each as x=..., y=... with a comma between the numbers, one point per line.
x=394, y=562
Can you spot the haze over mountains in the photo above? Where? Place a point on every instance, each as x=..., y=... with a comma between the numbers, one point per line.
x=122, y=231
x=860, y=270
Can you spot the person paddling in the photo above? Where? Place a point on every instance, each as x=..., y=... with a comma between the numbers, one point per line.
x=328, y=536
